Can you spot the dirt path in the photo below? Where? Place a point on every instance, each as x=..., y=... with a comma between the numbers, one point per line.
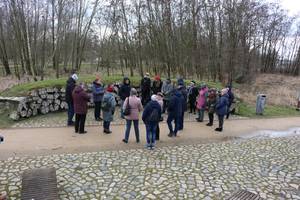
x=45, y=141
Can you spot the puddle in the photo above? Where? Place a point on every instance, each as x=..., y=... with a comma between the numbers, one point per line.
x=273, y=134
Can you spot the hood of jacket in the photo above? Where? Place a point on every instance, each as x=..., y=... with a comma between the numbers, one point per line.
x=78, y=89
x=125, y=79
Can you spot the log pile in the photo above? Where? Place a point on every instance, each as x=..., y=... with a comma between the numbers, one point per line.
x=41, y=101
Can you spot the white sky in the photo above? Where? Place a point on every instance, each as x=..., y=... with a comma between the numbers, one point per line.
x=293, y=6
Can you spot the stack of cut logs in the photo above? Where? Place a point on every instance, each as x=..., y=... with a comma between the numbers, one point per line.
x=41, y=101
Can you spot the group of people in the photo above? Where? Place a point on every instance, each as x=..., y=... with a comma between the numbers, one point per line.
x=156, y=98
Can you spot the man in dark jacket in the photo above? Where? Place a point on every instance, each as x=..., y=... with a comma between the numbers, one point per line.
x=182, y=89
x=71, y=83
x=124, y=92
x=146, y=89
x=211, y=105
x=151, y=117
x=230, y=99
x=98, y=92
x=192, y=96
x=174, y=112
x=81, y=99
x=221, y=108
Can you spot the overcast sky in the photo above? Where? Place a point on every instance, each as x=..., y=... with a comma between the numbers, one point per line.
x=293, y=6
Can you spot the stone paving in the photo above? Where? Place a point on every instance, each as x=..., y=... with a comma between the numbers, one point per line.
x=59, y=120
x=269, y=167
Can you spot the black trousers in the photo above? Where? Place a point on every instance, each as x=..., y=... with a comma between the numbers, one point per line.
x=79, y=122
x=221, y=121
x=211, y=118
x=165, y=106
x=97, y=111
x=157, y=132
x=192, y=106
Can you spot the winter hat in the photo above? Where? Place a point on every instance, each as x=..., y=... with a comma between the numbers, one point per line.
x=180, y=81
x=160, y=94
x=203, y=85
x=157, y=78
x=110, y=88
x=153, y=97
x=224, y=91
x=147, y=74
x=74, y=77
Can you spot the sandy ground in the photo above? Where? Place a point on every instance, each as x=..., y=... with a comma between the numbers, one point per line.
x=47, y=141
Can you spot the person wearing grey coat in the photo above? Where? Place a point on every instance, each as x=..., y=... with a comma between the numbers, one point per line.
x=167, y=89
x=108, y=108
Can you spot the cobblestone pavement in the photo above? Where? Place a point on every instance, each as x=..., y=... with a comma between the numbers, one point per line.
x=59, y=120
x=269, y=167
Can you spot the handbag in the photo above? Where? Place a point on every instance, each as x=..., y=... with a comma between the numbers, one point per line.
x=127, y=110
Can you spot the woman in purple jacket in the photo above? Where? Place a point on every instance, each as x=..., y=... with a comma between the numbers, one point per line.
x=80, y=99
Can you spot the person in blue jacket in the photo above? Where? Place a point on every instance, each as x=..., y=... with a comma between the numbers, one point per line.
x=98, y=92
x=151, y=117
x=174, y=112
x=222, y=108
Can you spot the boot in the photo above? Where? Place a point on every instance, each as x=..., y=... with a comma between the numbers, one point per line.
x=219, y=129
x=209, y=124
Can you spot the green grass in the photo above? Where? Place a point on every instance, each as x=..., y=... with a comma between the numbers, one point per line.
x=24, y=89
x=247, y=110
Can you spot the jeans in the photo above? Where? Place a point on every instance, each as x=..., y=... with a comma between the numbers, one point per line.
x=121, y=109
x=170, y=119
x=97, y=111
x=211, y=118
x=136, y=129
x=70, y=113
x=151, y=133
x=201, y=114
x=106, y=125
x=221, y=121
x=79, y=122
x=181, y=121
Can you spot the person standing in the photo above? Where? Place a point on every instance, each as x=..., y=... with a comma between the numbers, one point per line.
x=192, y=96
x=166, y=89
x=133, y=103
x=71, y=83
x=201, y=102
x=151, y=117
x=108, y=109
x=80, y=98
x=221, y=108
x=146, y=89
x=156, y=85
x=230, y=100
x=159, y=98
x=182, y=89
x=124, y=92
x=98, y=92
x=174, y=112
x=211, y=105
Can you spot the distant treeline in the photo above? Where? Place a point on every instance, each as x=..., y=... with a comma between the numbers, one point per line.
x=225, y=40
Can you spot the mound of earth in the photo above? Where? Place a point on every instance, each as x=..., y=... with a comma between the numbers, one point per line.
x=280, y=89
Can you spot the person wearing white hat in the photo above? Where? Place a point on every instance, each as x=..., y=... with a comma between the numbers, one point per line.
x=71, y=83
